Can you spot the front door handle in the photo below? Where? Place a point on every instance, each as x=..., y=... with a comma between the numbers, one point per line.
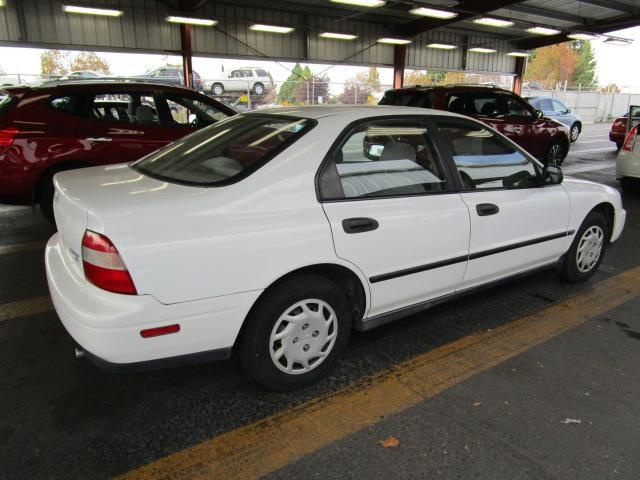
x=485, y=209
x=359, y=224
x=98, y=139
x=518, y=130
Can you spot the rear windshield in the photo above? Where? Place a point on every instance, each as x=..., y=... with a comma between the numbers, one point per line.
x=409, y=99
x=6, y=100
x=225, y=152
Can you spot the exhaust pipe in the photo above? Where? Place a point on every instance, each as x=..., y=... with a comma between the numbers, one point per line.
x=79, y=353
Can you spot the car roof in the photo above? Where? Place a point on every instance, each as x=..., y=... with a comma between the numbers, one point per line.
x=451, y=87
x=350, y=112
x=92, y=84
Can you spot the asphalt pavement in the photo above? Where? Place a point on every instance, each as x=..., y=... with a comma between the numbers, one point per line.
x=531, y=379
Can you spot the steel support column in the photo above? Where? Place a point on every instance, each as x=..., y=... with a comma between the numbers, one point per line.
x=399, y=55
x=521, y=67
x=185, y=43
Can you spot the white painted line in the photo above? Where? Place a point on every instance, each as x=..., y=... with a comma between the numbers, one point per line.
x=588, y=168
x=582, y=142
x=607, y=149
x=22, y=247
x=25, y=308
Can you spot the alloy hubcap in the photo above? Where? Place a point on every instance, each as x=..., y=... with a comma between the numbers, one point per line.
x=303, y=336
x=555, y=155
x=575, y=131
x=589, y=248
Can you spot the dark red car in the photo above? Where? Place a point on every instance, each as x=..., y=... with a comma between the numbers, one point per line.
x=619, y=130
x=44, y=130
x=501, y=109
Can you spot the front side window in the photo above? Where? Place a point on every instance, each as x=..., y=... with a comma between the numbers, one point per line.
x=187, y=111
x=545, y=105
x=517, y=107
x=409, y=99
x=383, y=158
x=224, y=152
x=559, y=107
x=485, y=160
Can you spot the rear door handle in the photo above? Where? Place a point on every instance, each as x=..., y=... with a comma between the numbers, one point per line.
x=485, y=209
x=98, y=139
x=518, y=129
x=359, y=224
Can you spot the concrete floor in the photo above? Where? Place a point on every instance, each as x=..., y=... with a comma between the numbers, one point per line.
x=63, y=418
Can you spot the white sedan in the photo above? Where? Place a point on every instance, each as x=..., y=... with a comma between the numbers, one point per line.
x=628, y=161
x=273, y=234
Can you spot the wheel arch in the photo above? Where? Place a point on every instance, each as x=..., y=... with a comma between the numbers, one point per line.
x=609, y=212
x=346, y=279
x=52, y=170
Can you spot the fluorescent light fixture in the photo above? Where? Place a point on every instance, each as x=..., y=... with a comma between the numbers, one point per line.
x=433, y=13
x=582, y=36
x=493, y=22
x=442, y=46
x=192, y=21
x=482, y=50
x=362, y=3
x=338, y=36
x=394, y=41
x=621, y=42
x=543, y=31
x=518, y=54
x=259, y=27
x=106, y=12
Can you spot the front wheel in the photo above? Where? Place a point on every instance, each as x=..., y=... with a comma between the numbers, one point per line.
x=46, y=199
x=555, y=154
x=575, y=131
x=296, y=333
x=587, y=249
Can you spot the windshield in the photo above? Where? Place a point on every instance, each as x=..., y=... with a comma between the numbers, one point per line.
x=225, y=152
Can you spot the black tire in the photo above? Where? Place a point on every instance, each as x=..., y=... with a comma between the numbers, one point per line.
x=570, y=271
x=555, y=153
x=255, y=345
x=217, y=89
x=258, y=89
x=629, y=184
x=45, y=198
x=575, y=131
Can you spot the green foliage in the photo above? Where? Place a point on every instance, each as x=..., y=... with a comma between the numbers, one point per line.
x=58, y=63
x=288, y=89
x=90, y=61
x=585, y=72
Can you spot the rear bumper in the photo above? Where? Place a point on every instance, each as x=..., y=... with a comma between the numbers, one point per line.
x=107, y=325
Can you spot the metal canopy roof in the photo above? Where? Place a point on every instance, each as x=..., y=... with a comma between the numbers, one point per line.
x=142, y=27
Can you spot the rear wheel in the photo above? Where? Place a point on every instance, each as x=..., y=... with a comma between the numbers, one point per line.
x=587, y=249
x=45, y=198
x=619, y=145
x=555, y=154
x=258, y=89
x=575, y=131
x=217, y=89
x=296, y=333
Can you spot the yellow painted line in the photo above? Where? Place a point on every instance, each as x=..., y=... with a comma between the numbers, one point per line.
x=24, y=308
x=262, y=447
x=22, y=247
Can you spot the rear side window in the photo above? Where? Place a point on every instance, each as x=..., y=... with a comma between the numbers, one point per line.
x=261, y=73
x=225, y=152
x=123, y=107
x=409, y=99
x=6, y=101
x=68, y=103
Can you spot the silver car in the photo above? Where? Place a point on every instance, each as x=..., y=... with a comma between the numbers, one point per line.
x=256, y=80
x=554, y=108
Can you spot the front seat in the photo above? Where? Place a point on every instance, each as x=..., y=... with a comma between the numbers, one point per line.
x=458, y=106
x=145, y=114
x=398, y=151
x=489, y=108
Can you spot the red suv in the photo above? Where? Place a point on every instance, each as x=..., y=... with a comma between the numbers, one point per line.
x=67, y=125
x=619, y=130
x=501, y=109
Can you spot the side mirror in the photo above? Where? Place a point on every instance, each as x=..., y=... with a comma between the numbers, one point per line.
x=568, y=110
x=539, y=114
x=552, y=175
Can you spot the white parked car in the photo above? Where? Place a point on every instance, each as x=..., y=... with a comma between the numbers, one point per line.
x=628, y=161
x=274, y=233
x=256, y=80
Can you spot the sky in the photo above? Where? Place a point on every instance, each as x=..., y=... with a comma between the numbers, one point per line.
x=616, y=64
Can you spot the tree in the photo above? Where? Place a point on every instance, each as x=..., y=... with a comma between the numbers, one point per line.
x=611, y=88
x=424, y=77
x=288, y=88
x=553, y=64
x=303, y=93
x=58, y=63
x=90, y=61
x=361, y=87
x=54, y=62
x=585, y=71
x=370, y=78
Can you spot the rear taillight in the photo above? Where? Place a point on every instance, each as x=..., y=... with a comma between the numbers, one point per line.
x=103, y=266
x=7, y=136
x=630, y=141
